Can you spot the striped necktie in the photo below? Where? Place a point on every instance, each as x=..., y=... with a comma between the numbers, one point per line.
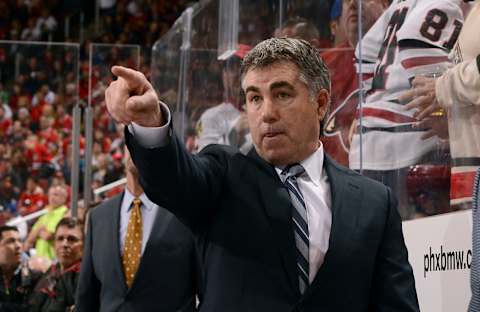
x=132, y=248
x=300, y=225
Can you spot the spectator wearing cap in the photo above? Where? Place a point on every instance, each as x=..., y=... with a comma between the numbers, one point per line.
x=226, y=123
x=340, y=62
x=42, y=232
x=336, y=29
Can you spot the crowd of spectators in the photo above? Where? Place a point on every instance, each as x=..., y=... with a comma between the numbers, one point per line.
x=41, y=81
x=39, y=85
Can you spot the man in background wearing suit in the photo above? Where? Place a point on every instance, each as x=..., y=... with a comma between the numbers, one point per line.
x=284, y=228
x=137, y=256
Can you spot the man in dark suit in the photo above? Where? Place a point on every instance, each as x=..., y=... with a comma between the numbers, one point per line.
x=283, y=228
x=137, y=256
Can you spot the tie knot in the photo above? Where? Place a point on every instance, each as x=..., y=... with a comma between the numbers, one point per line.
x=137, y=202
x=294, y=170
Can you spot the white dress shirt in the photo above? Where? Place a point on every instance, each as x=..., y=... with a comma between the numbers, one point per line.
x=314, y=186
x=149, y=213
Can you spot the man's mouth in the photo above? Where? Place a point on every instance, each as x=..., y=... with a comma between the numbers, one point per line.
x=272, y=134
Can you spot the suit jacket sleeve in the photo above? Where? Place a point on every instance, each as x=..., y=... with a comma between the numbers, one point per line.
x=188, y=185
x=88, y=291
x=460, y=85
x=393, y=283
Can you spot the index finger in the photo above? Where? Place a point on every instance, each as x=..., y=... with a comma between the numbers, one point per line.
x=132, y=77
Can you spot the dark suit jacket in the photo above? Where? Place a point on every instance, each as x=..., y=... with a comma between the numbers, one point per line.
x=167, y=278
x=241, y=213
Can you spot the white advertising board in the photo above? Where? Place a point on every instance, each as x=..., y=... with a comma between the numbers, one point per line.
x=439, y=250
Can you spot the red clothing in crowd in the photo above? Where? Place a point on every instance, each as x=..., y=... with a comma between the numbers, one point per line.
x=36, y=111
x=65, y=123
x=341, y=64
x=50, y=135
x=5, y=125
x=37, y=156
x=28, y=203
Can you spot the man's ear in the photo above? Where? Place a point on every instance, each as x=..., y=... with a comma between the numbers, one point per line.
x=323, y=101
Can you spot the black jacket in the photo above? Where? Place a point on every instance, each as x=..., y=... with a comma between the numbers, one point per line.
x=15, y=296
x=55, y=292
x=167, y=278
x=241, y=213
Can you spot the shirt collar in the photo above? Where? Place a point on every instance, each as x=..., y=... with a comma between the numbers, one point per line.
x=313, y=165
x=129, y=197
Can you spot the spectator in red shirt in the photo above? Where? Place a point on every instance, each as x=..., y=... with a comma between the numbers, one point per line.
x=37, y=155
x=47, y=131
x=63, y=120
x=32, y=199
x=340, y=61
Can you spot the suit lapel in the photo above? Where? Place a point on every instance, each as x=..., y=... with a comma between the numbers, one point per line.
x=276, y=202
x=115, y=230
x=159, y=228
x=345, y=195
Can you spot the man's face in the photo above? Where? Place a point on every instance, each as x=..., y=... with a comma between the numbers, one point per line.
x=371, y=11
x=68, y=245
x=57, y=196
x=10, y=249
x=284, y=120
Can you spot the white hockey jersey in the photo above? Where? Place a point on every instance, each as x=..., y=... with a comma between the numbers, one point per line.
x=215, y=125
x=412, y=37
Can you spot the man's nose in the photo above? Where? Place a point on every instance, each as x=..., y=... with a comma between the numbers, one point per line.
x=65, y=242
x=269, y=111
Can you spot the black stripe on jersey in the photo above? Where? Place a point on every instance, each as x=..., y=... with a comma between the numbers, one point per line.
x=402, y=128
x=466, y=161
x=364, y=61
x=406, y=44
x=478, y=63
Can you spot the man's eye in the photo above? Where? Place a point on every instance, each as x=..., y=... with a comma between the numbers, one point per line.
x=283, y=95
x=255, y=99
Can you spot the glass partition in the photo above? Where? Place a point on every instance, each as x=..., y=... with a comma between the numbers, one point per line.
x=405, y=137
x=104, y=146
x=165, y=69
x=321, y=24
x=38, y=92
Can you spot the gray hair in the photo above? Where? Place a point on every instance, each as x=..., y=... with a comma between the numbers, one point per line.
x=313, y=71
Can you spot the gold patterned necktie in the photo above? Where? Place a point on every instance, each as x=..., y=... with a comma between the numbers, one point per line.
x=132, y=248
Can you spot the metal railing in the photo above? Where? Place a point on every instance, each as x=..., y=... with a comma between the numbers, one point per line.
x=37, y=214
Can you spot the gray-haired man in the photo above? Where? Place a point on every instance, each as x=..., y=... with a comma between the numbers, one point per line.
x=283, y=228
